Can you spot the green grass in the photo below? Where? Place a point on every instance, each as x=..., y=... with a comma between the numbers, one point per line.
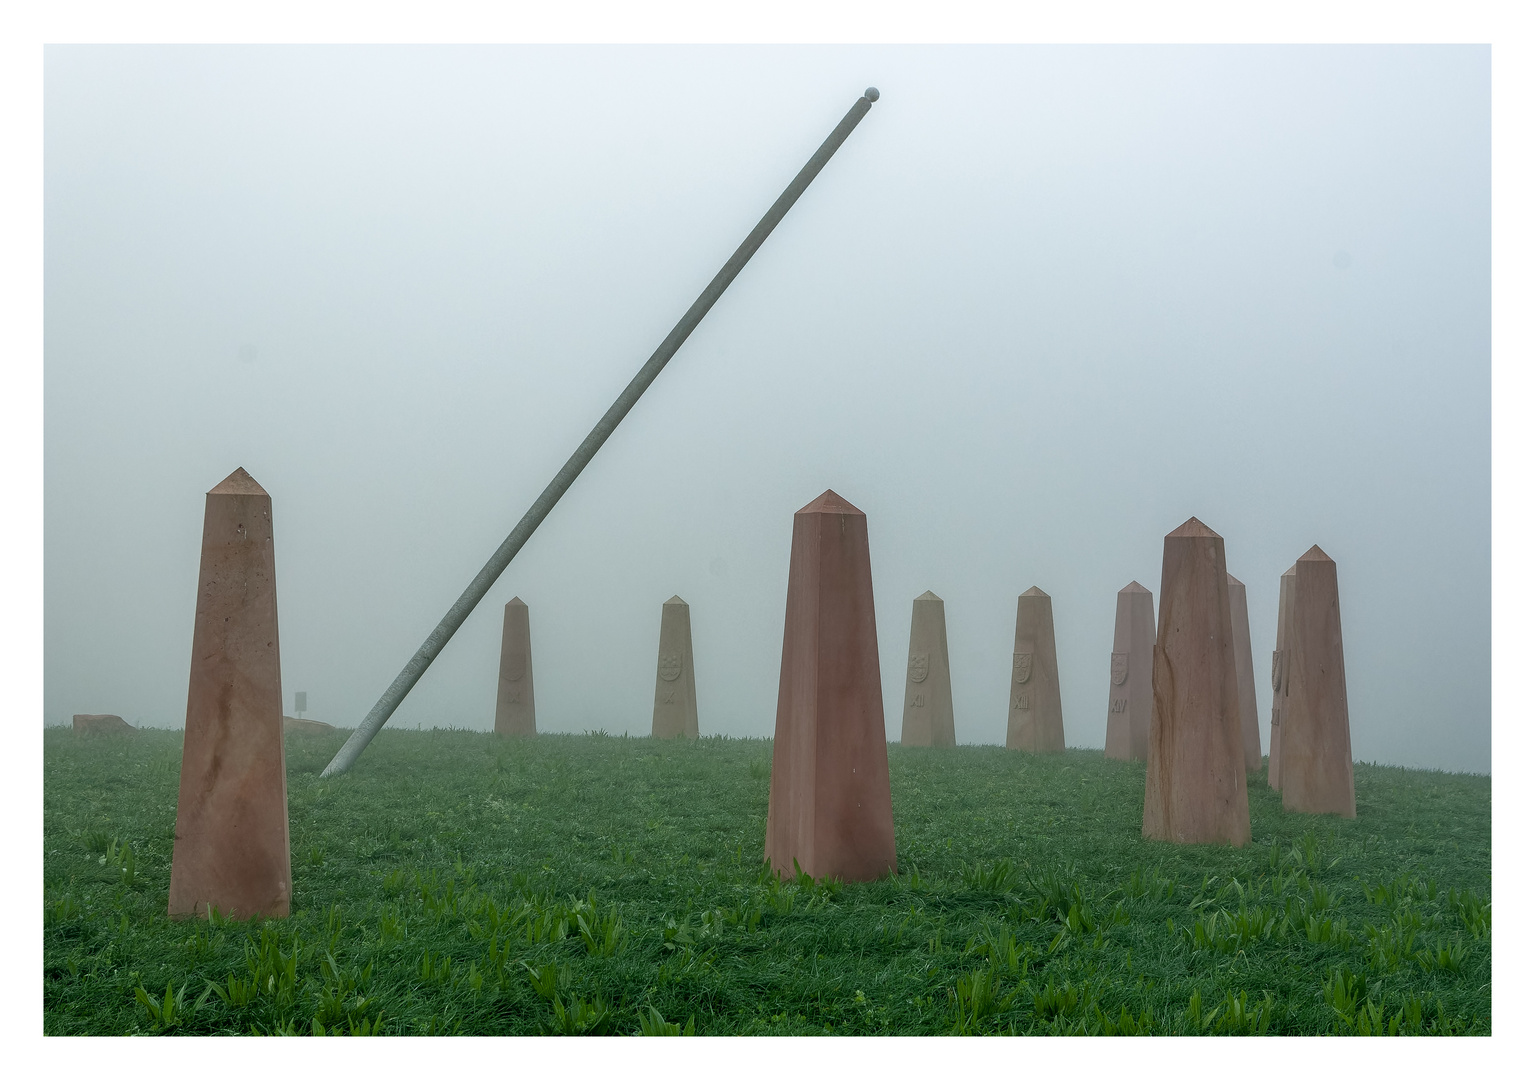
x=592, y=884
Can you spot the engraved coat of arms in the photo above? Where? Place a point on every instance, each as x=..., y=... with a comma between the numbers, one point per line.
x=514, y=667
x=669, y=667
x=1276, y=677
x=916, y=667
x=1023, y=666
x=1119, y=667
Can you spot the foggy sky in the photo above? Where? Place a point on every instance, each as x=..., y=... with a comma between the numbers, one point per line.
x=1044, y=304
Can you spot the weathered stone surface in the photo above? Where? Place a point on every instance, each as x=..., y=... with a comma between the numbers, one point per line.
x=927, y=717
x=1135, y=632
x=291, y=724
x=829, y=796
x=231, y=848
x=676, y=707
x=514, y=690
x=1196, y=779
x=1034, y=689
x=1279, y=679
x=1318, y=776
x=1247, y=691
x=102, y=724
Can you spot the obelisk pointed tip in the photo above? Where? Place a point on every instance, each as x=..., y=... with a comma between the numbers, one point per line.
x=675, y=600
x=1194, y=527
x=516, y=601
x=1135, y=587
x=829, y=502
x=931, y=595
x=238, y=482
x=1231, y=579
x=1035, y=590
x=1316, y=554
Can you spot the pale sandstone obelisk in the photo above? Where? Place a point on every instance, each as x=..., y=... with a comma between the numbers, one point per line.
x=676, y=708
x=1318, y=758
x=1247, y=690
x=514, y=688
x=829, y=794
x=1279, y=679
x=1034, y=691
x=1135, y=632
x=1196, y=779
x=927, y=717
x=231, y=846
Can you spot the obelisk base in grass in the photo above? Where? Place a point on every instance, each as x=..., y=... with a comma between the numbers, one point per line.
x=927, y=715
x=1318, y=755
x=1247, y=691
x=1034, y=693
x=1196, y=776
x=231, y=846
x=829, y=795
x=514, y=686
x=1135, y=632
x=676, y=706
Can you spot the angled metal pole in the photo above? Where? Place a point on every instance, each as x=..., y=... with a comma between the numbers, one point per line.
x=487, y=576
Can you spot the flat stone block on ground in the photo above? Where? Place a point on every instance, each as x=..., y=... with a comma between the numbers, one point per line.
x=292, y=724
x=1034, y=692
x=1135, y=633
x=1196, y=775
x=102, y=724
x=231, y=846
x=927, y=714
x=829, y=794
x=514, y=686
x=1318, y=757
x=676, y=706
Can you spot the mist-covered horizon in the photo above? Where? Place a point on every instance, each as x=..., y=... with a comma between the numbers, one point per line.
x=1043, y=306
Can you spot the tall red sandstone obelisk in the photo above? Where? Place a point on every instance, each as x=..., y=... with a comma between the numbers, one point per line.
x=231, y=847
x=1135, y=632
x=1279, y=679
x=927, y=717
x=1034, y=691
x=1196, y=776
x=1318, y=758
x=1247, y=690
x=829, y=796
x=514, y=686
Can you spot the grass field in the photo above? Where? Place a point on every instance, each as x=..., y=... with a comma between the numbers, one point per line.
x=592, y=884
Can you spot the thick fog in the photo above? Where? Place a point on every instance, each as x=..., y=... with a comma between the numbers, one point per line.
x=1043, y=305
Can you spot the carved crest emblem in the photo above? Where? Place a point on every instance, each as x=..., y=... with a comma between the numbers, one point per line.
x=1119, y=667
x=1276, y=677
x=1023, y=666
x=514, y=667
x=916, y=667
x=670, y=666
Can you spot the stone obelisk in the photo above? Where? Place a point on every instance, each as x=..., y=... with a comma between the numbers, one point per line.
x=829, y=796
x=1196, y=776
x=1279, y=679
x=514, y=688
x=1247, y=690
x=1034, y=692
x=676, y=708
x=927, y=717
x=1318, y=758
x=231, y=846
x=1135, y=632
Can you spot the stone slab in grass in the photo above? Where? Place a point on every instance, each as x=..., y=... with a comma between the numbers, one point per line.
x=102, y=724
